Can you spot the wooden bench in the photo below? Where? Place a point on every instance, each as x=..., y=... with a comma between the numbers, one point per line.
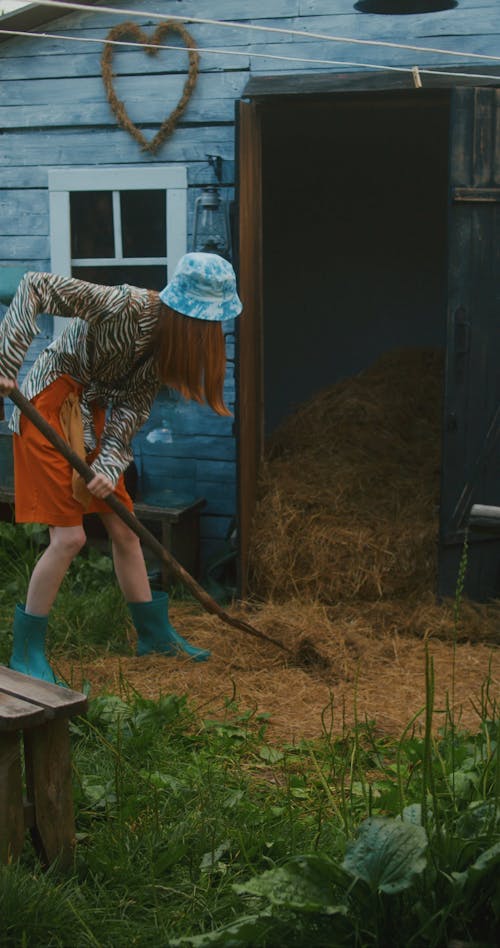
x=179, y=533
x=34, y=720
x=178, y=529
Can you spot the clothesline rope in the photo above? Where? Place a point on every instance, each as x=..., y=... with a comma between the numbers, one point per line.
x=246, y=55
x=67, y=5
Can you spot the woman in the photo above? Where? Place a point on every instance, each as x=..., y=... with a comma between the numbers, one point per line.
x=121, y=346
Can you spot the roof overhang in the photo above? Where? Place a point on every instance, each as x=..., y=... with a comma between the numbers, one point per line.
x=318, y=83
x=33, y=16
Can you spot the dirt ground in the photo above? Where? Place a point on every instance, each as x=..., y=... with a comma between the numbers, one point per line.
x=371, y=662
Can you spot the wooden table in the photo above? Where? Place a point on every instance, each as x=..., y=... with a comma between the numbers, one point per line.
x=34, y=721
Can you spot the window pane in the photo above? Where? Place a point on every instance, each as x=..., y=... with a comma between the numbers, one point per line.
x=153, y=278
x=91, y=214
x=144, y=223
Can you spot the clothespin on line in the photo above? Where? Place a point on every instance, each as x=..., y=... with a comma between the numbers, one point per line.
x=416, y=77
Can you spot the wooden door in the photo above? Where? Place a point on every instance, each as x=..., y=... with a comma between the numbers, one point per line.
x=471, y=448
x=250, y=412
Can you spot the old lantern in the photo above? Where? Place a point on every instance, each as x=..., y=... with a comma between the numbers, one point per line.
x=211, y=229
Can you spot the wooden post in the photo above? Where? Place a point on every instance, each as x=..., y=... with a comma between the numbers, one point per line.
x=49, y=788
x=11, y=797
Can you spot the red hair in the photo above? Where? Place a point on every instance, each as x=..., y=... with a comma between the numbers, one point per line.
x=191, y=357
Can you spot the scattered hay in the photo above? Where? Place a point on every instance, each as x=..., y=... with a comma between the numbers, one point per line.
x=375, y=667
x=347, y=506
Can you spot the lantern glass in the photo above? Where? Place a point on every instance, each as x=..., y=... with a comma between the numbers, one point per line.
x=211, y=231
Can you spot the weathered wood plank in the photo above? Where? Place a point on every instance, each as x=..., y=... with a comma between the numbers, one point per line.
x=379, y=56
x=13, y=223
x=352, y=80
x=15, y=178
x=36, y=201
x=496, y=147
x=220, y=499
x=476, y=195
x=62, y=147
x=11, y=798
x=140, y=110
x=15, y=714
x=195, y=420
x=22, y=248
x=49, y=788
x=484, y=141
x=91, y=89
x=24, y=212
x=217, y=471
x=34, y=177
x=225, y=9
x=319, y=7
x=72, y=63
x=215, y=527
x=32, y=263
x=201, y=447
x=61, y=701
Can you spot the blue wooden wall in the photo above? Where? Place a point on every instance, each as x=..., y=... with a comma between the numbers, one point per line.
x=54, y=113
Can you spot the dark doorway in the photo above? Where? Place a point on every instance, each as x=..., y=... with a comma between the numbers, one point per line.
x=355, y=194
x=368, y=221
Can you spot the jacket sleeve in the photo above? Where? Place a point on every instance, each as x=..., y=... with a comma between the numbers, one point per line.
x=123, y=422
x=59, y=296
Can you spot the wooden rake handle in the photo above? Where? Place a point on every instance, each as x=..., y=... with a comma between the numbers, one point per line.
x=209, y=604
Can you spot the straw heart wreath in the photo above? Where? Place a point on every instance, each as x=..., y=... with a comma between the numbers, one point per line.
x=150, y=46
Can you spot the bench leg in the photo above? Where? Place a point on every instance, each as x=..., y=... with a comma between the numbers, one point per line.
x=166, y=542
x=11, y=797
x=49, y=788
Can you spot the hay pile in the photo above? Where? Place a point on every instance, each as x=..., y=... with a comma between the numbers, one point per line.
x=347, y=504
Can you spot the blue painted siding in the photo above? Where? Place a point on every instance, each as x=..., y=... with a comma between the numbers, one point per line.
x=54, y=113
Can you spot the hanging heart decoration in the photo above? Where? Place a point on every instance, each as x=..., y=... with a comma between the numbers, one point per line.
x=150, y=46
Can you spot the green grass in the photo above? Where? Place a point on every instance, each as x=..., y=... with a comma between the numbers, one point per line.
x=197, y=831
x=187, y=826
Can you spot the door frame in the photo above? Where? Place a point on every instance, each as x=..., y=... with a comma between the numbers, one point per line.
x=259, y=93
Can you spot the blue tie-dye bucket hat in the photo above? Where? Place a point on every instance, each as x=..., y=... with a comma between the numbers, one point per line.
x=203, y=286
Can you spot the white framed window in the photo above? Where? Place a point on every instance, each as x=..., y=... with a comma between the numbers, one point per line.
x=118, y=225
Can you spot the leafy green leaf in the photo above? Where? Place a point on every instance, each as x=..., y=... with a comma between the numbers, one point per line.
x=413, y=814
x=481, y=816
x=109, y=710
x=98, y=793
x=211, y=859
x=247, y=930
x=305, y=884
x=387, y=854
x=270, y=754
x=486, y=861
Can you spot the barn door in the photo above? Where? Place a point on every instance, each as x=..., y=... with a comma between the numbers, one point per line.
x=249, y=356
x=471, y=447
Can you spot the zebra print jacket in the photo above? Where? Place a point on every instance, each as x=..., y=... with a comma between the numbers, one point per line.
x=106, y=347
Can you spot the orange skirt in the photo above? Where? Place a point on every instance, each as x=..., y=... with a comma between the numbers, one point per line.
x=43, y=477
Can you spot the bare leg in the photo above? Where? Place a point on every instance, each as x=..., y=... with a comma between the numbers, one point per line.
x=49, y=572
x=128, y=560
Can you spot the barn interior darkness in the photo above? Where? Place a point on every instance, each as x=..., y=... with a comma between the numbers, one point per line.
x=355, y=193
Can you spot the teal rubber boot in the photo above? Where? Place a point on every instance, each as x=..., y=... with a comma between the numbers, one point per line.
x=155, y=634
x=28, y=651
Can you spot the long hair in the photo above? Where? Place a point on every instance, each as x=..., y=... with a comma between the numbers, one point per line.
x=191, y=357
